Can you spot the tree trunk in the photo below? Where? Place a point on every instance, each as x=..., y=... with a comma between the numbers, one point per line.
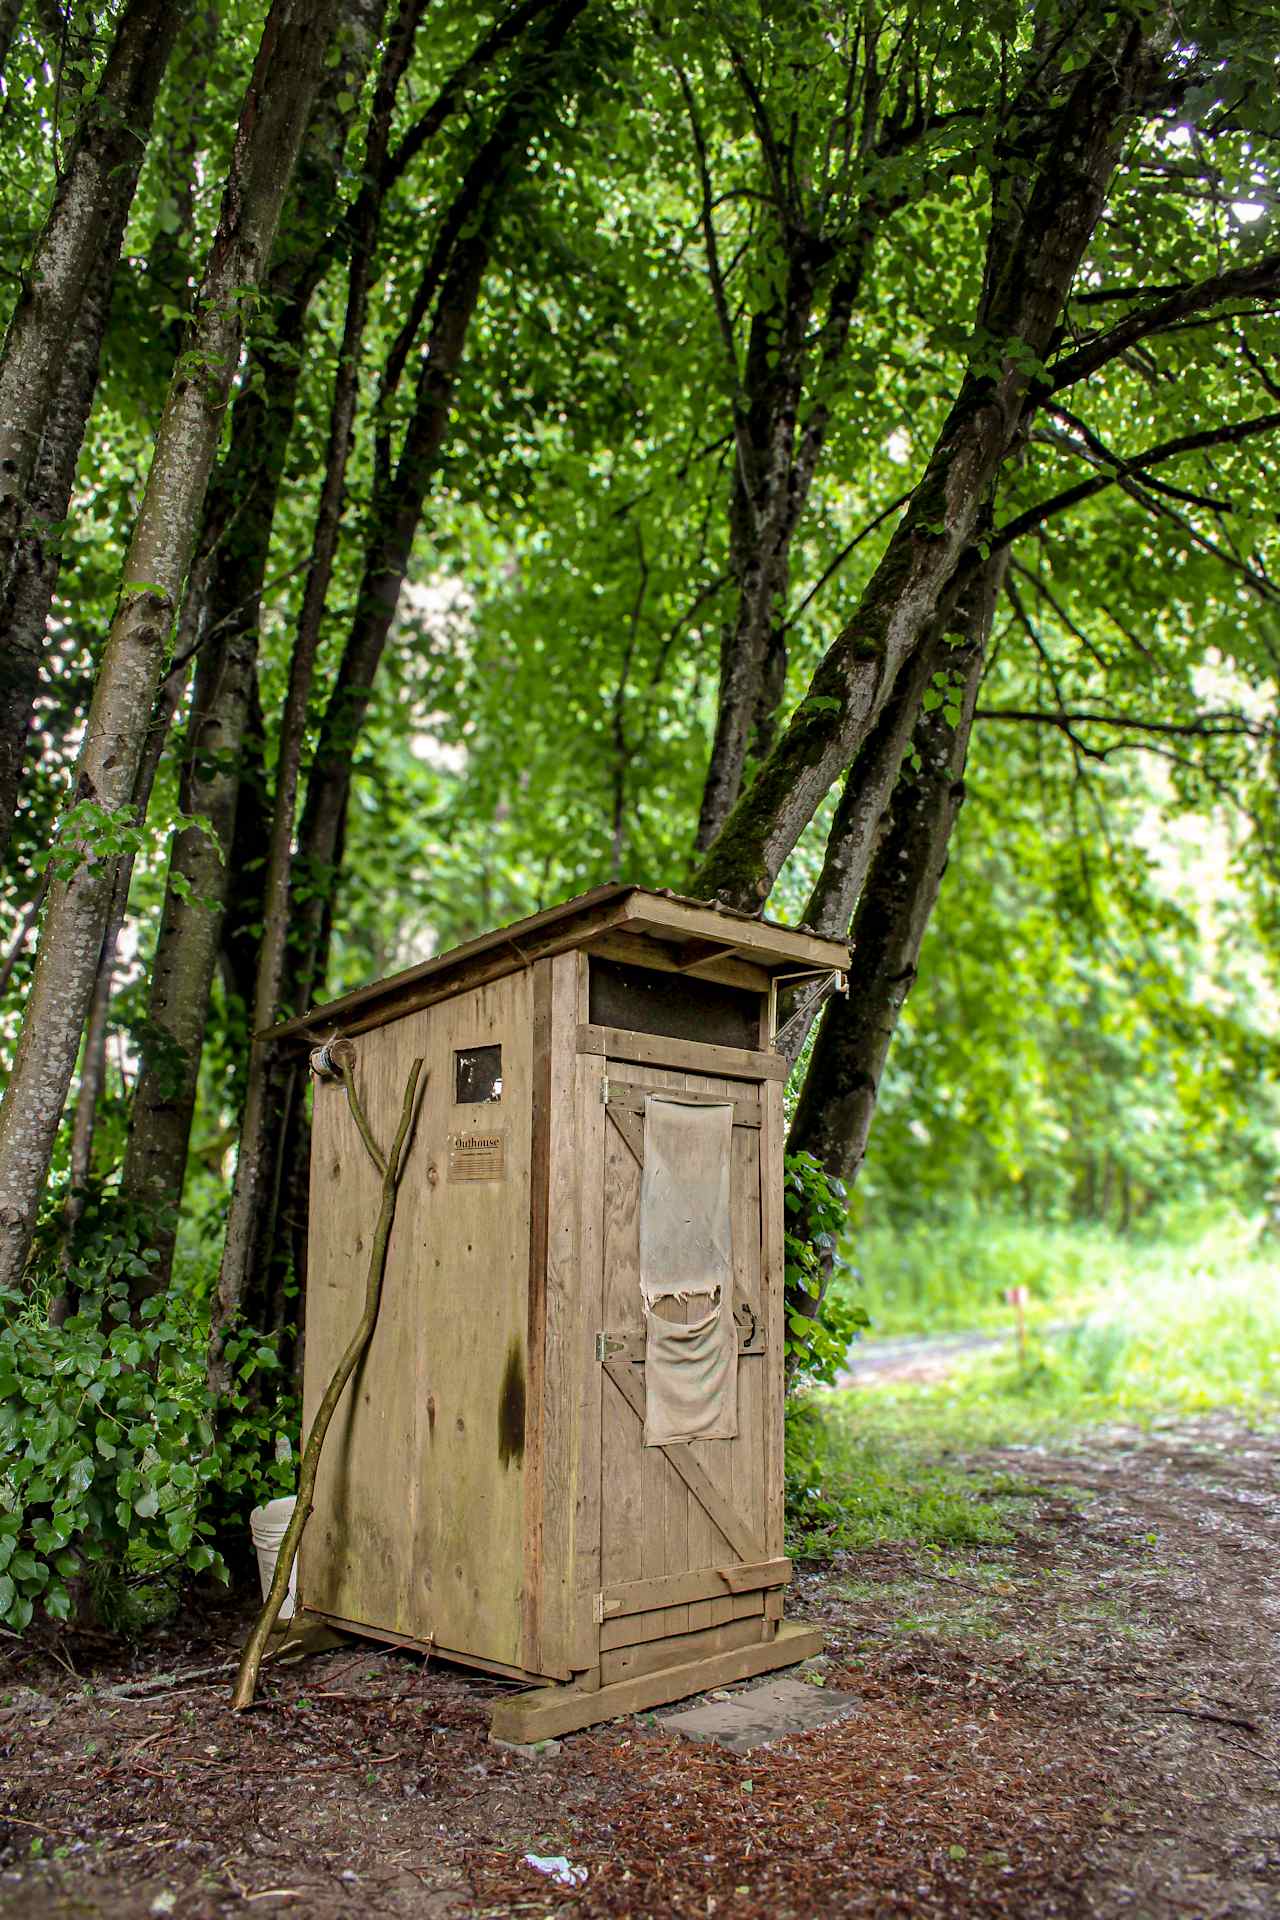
x=281, y=89
x=397, y=513
x=181, y=137
x=867, y=790
x=10, y=11
x=271, y=958
x=780, y=451
x=26, y=596
x=187, y=947
x=93, y=1061
x=49, y=363
x=271, y=1093
x=833, y=1118
x=242, y=915
x=239, y=514
x=759, y=539
x=1022, y=312
x=228, y=892
x=857, y=826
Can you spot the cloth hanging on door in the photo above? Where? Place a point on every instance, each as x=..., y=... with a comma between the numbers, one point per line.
x=686, y=1253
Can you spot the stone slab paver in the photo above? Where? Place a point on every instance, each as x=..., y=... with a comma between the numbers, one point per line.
x=758, y=1715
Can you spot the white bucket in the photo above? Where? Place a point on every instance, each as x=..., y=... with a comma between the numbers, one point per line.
x=268, y=1525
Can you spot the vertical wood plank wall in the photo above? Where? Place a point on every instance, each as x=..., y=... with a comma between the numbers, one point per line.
x=419, y=1522
x=651, y=1524
x=555, y=1378
x=773, y=1279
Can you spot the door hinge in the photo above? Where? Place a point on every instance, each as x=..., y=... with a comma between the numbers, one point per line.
x=600, y=1607
x=605, y=1346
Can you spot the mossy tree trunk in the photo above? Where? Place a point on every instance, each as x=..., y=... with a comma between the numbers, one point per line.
x=277, y=104
x=1021, y=311
x=239, y=516
x=837, y=1102
x=49, y=362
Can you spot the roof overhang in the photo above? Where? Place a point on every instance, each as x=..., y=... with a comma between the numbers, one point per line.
x=699, y=931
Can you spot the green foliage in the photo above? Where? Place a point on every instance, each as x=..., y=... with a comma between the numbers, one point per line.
x=849, y=1486
x=1172, y=1328
x=822, y=1316
x=114, y=1486
x=1092, y=1034
x=108, y=1448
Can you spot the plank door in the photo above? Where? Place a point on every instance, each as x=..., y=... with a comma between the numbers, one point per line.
x=689, y=1559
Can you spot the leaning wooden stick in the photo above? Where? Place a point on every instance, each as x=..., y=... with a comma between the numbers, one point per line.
x=255, y=1645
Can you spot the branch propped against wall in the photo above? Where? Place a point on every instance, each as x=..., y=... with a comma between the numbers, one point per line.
x=342, y=1056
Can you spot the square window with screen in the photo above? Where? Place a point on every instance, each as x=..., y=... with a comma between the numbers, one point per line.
x=477, y=1075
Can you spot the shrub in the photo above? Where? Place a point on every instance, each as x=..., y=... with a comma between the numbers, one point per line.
x=115, y=1473
x=108, y=1450
x=822, y=1317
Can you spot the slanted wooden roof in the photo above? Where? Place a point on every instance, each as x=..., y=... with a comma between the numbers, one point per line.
x=698, y=930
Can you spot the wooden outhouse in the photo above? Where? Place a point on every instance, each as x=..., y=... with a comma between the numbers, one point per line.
x=561, y=1460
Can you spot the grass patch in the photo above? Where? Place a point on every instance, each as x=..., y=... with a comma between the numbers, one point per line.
x=851, y=1485
x=1172, y=1329
x=1155, y=1329
x=952, y=1275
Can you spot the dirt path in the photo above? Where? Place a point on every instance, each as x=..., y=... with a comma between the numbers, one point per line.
x=1080, y=1723
x=927, y=1356
x=914, y=1357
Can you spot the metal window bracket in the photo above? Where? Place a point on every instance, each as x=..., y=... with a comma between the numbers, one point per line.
x=835, y=982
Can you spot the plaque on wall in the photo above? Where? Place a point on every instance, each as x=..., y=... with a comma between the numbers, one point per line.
x=477, y=1156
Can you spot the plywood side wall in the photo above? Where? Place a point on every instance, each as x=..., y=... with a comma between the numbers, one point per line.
x=420, y=1514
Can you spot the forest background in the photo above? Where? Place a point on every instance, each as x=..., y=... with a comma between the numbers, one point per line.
x=452, y=457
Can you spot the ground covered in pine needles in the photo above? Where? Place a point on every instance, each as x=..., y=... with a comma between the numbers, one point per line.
x=1079, y=1722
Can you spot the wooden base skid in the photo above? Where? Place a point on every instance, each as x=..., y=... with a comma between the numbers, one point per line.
x=549, y=1711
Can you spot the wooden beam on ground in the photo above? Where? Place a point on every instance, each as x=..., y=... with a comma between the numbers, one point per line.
x=551, y=1711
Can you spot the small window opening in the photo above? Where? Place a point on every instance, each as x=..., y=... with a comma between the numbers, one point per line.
x=645, y=1000
x=477, y=1073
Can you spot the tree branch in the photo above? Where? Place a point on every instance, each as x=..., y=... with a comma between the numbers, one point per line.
x=1209, y=726
x=764, y=132
x=1081, y=441
x=1256, y=281
x=454, y=87
x=1107, y=296
x=710, y=242
x=1042, y=592
x=833, y=568
x=1230, y=435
